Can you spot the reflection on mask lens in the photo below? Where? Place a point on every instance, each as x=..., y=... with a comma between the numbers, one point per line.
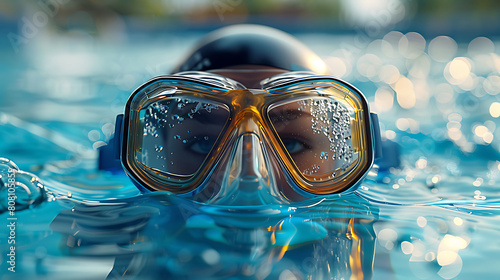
x=179, y=133
x=316, y=132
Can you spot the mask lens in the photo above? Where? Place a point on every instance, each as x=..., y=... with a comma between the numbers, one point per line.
x=316, y=133
x=179, y=133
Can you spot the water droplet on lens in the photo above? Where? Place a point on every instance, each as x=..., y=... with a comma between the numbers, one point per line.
x=206, y=137
x=324, y=155
x=177, y=137
x=158, y=148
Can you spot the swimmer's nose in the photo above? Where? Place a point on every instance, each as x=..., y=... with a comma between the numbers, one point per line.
x=248, y=179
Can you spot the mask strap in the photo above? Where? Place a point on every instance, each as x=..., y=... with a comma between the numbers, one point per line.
x=377, y=140
x=109, y=155
x=386, y=152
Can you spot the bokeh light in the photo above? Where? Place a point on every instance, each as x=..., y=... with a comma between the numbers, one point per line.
x=405, y=92
x=442, y=48
x=481, y=45
x=411, y=45
x=384, y=98
x=495, y=109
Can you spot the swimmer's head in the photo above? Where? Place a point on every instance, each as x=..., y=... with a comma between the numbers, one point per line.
x=248, y=119
x=251, y=46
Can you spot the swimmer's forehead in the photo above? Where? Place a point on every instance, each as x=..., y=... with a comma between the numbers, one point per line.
x=249, y=75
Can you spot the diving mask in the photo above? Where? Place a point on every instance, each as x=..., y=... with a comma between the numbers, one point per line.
x=208, y=137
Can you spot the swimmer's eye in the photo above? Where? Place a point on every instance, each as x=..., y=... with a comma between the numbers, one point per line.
x=202, y=145
x=294, y=146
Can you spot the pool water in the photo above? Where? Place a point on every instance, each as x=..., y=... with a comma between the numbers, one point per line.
x=435, y=217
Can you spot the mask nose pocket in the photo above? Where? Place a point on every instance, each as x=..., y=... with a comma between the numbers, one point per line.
x=247, y=179
x=250, y=170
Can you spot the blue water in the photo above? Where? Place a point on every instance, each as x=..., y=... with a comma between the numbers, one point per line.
x=436, y=217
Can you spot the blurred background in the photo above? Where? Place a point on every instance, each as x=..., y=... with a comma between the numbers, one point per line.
x=429, y=68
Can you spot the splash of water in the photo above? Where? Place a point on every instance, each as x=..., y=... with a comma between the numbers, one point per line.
x=19, y=189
